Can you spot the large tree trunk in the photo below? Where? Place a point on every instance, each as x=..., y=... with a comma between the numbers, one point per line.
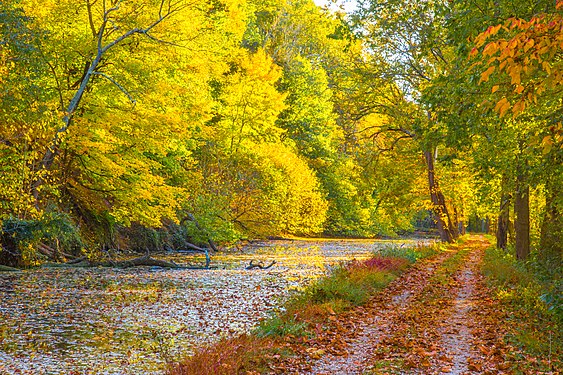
x=447, y=230
x=522, y=220
x=503, y=217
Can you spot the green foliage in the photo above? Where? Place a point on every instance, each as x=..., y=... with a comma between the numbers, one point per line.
x=412, y=254
x=338, y=286
x=534, y=302
x=19, y=238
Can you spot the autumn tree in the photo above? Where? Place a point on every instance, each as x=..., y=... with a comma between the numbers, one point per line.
x=409, y=39
x=525, y=74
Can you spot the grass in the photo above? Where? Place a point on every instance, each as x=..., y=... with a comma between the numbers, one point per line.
x=347, y=286
x=534, y=306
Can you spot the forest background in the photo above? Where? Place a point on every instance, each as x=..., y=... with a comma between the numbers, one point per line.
x=159, y=124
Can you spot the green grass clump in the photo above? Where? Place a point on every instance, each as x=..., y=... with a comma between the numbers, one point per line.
x=338, y=286
x=280, y=326
x=412, y=254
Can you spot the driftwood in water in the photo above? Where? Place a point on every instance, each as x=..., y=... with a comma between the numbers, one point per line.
x=77, y=260
x=141, y=261
x=259, y=265
x=151, y=262
x=194, y=249
x=145, y=260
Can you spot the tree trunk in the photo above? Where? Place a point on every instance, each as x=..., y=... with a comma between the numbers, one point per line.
x=503, y=217
x=522, y=220
x=551, y=247
x=448, y=232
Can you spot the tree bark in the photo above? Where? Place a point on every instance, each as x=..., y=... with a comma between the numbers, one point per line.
x=503, y=217
x=522, y=220
x=551, y=246
x=448, y=232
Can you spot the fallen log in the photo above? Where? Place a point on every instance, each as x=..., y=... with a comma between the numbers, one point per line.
x=8, y=269
x=53, y=253
x=77, y=260
x=259, y=265
x=145, y=260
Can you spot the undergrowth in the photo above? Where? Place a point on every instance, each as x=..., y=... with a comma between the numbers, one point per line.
x=240, y=355
x=534, y=306
x=347, y=286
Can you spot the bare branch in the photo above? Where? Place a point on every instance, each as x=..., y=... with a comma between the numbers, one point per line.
x=121, y=88
x=6, y=142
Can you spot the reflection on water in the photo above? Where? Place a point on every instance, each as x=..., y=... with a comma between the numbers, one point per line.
x=111, y=321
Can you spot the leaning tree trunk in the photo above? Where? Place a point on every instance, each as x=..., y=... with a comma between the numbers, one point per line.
x=448, y=232
x=522, y=220
x=50, y=154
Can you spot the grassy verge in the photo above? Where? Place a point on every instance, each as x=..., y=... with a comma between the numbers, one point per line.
x=533, y=303
x=347, y=286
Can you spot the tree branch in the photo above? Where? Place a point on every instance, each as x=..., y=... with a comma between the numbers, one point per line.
x=121, y=88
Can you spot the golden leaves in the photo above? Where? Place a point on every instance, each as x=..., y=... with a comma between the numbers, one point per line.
x=502, y=106
x=518, y=107
x=514, y=72
x=487, y=73
x=490, y=49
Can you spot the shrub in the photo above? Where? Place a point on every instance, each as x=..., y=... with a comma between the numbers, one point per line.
x=412, y=254
x=379, y=263
x=19, y=238
x=337, y=287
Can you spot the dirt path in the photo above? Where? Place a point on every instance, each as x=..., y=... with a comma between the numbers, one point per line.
x=435, y=319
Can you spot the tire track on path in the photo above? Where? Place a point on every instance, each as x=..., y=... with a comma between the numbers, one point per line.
x=378, y=319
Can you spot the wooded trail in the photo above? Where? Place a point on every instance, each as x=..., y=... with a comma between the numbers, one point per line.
x=435, y=319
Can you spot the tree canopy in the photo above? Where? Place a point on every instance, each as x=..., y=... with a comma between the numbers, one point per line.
x=163, y=121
